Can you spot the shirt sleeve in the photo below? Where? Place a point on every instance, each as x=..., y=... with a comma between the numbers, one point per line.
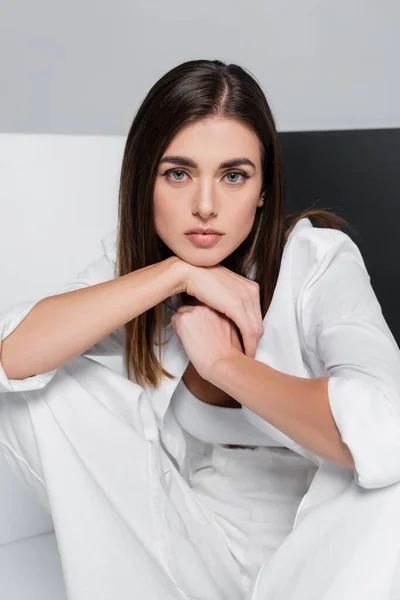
x=100, y=270
x=345, y=331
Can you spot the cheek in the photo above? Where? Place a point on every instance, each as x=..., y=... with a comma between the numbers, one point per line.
x=243, y=220
x=164, y=213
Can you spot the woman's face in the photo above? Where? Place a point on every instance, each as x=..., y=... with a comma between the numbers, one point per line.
x=205, y=193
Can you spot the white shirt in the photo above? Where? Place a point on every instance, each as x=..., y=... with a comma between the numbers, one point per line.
x=324, y=320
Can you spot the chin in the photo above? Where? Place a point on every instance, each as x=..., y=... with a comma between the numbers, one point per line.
x=208, y=259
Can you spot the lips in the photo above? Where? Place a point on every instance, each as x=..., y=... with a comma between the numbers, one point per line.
x=204, y=240
x=204, y=231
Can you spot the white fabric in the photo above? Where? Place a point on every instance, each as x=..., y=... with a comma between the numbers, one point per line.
x=114, y=464
x=215, y=424
x=252, y=496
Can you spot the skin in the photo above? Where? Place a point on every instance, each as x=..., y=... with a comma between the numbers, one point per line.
x=207, y=196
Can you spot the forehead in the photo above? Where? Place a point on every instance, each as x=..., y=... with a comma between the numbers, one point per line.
x=215, y=138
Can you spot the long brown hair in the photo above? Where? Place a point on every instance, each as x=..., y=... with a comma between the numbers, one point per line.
x=189, y=92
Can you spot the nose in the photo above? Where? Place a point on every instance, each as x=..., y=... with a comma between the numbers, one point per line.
x=205, y=201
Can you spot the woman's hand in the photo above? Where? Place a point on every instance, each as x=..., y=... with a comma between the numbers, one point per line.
x=207, y=336
x=236, y=297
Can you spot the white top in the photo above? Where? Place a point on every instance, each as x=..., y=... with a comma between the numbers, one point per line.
x=215, y=424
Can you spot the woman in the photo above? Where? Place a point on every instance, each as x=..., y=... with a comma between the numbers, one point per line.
x=252, y=450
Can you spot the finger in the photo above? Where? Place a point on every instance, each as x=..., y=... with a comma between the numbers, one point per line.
x=253, y=308
x=250, y=343
x=252, y=327
x=244, y=322
x=258, y=309
x=175, y=328
x=253, y=315
x=250, y=324
x=254, y=297
x=184, y=308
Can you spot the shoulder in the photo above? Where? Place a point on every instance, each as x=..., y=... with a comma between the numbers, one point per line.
x=324, y=274
x=316, y=250
x=321, y=241
x=335, y=283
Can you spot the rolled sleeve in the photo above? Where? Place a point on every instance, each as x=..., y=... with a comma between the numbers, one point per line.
x=369, y=423
x=9, y=320
x=345, y=332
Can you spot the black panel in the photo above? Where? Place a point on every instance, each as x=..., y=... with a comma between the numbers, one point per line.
x=355, y=174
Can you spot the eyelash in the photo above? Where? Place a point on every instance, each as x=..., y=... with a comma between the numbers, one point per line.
x=245, y=175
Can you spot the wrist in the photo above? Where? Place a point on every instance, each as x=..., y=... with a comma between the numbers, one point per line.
x=177, y=273
x=223, y=369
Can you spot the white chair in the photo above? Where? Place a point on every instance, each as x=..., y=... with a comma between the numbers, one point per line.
x=58, y=198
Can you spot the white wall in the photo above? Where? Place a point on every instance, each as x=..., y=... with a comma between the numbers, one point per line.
x=84, y=67
x=58, y=199
x=59, y=196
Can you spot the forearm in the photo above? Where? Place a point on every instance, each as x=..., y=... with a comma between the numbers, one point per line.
x=299, y=407
x=62, y=326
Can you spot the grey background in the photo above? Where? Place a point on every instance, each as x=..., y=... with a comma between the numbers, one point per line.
x=83, y=66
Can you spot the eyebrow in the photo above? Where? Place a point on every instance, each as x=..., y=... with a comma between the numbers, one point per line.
x=188, y=162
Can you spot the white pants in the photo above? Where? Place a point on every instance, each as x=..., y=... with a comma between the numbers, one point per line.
x=251, y=496
x=124, y=534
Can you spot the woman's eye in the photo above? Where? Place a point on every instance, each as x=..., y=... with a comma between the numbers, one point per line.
x=180, y=173
x=236, y=173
